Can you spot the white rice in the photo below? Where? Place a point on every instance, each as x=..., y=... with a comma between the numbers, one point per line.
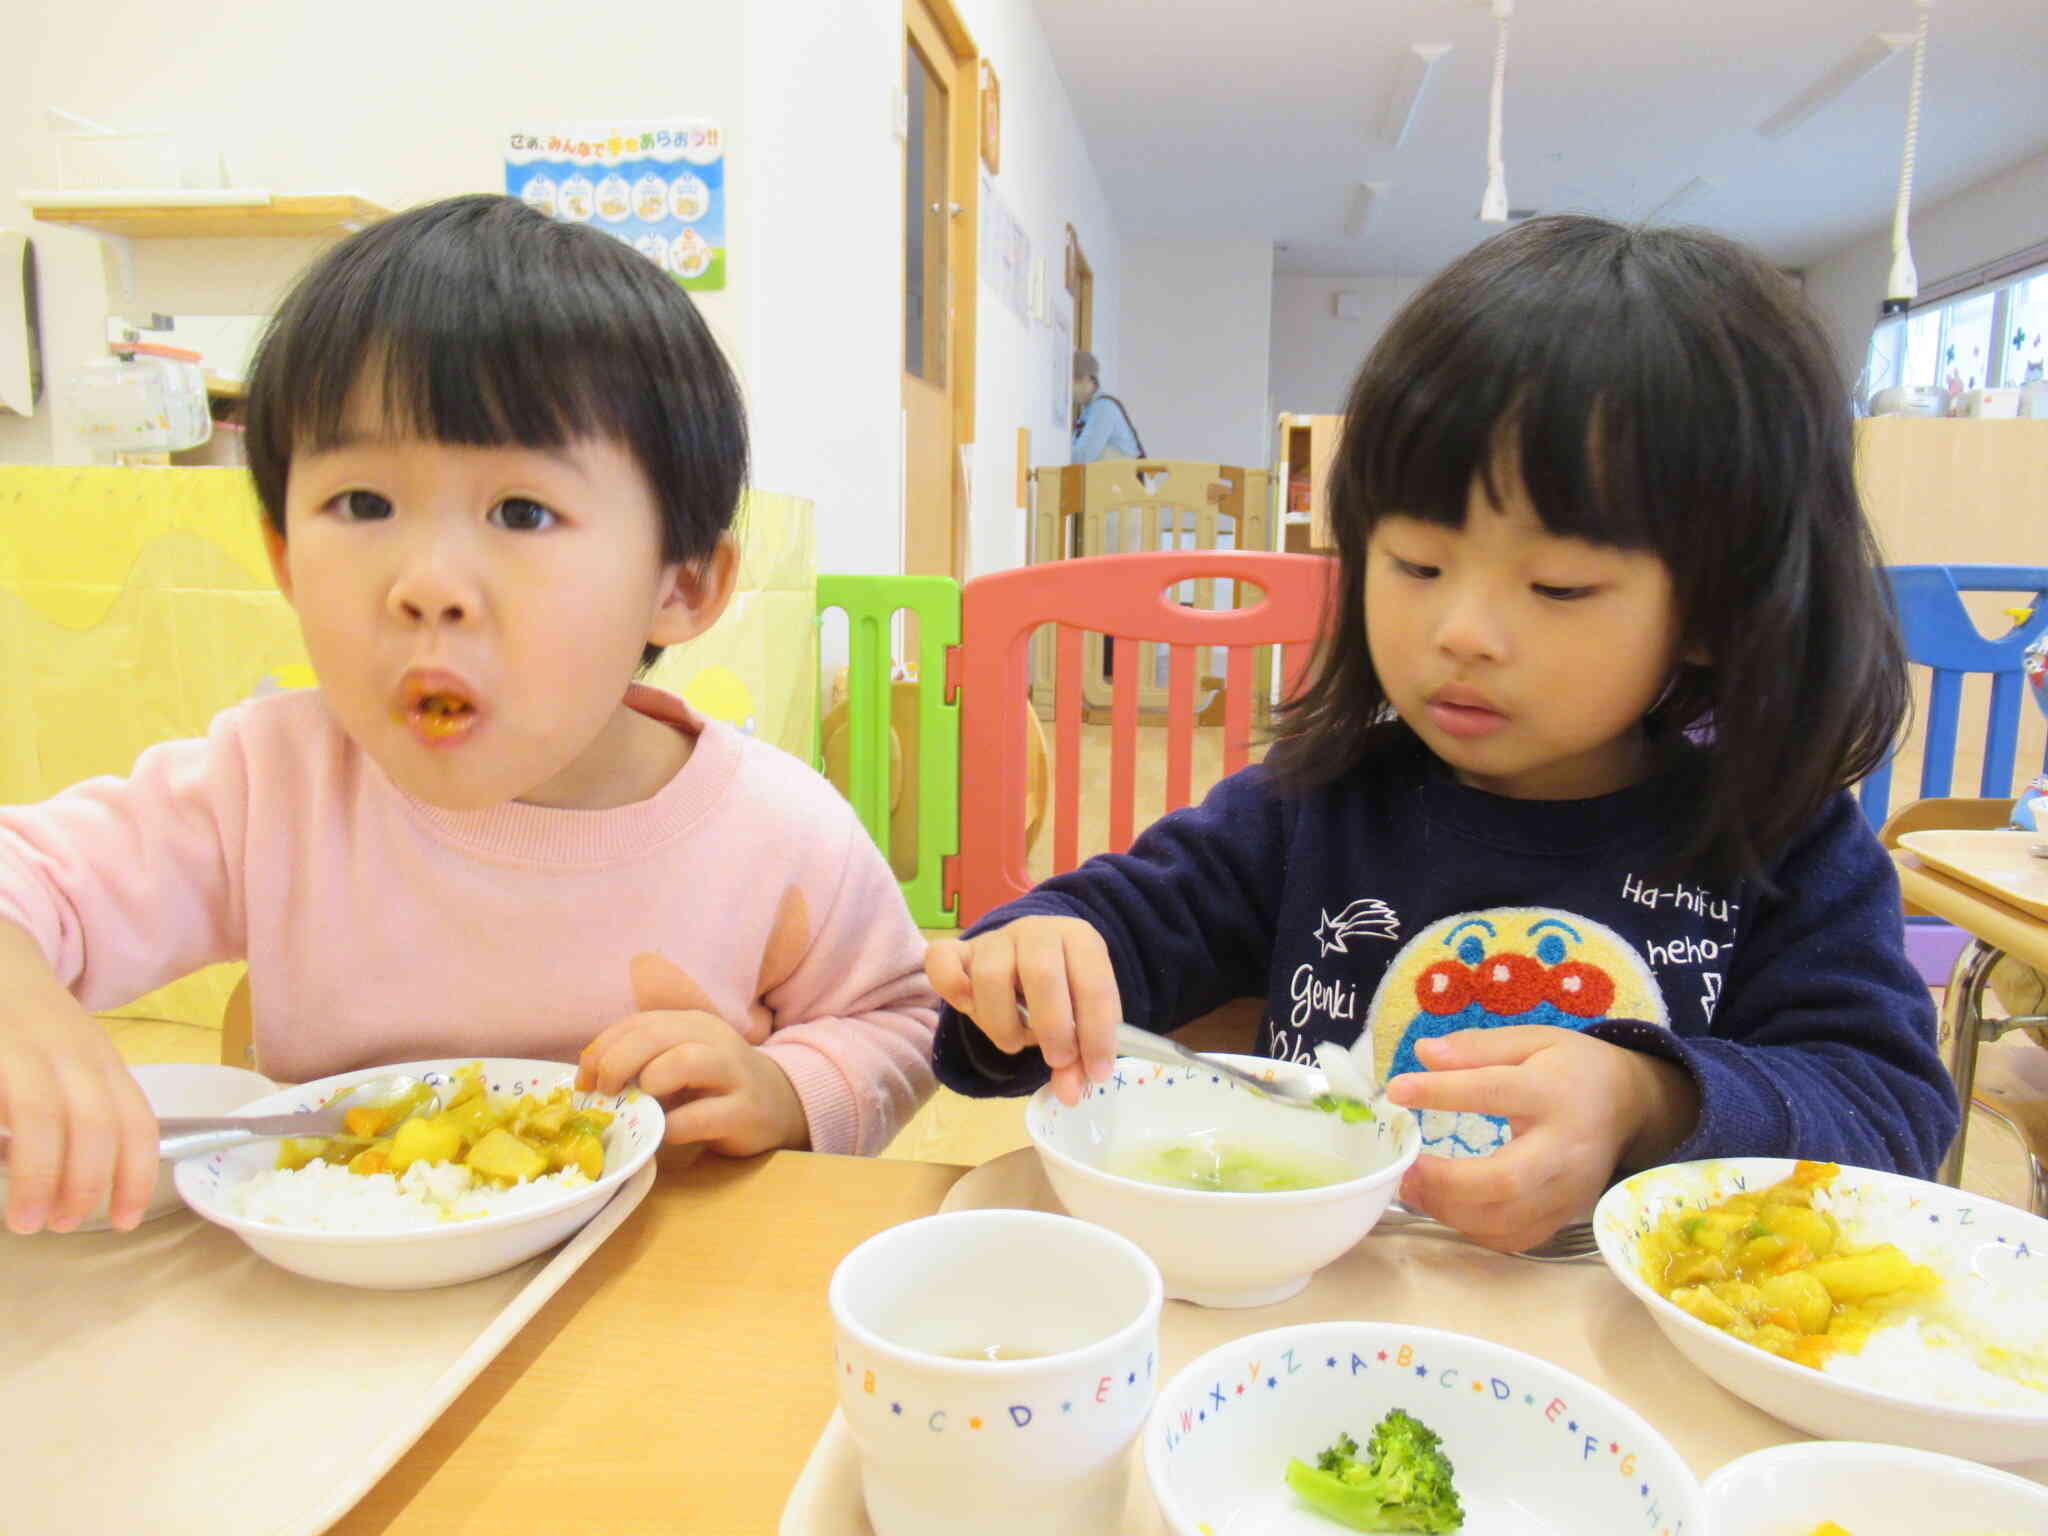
x=1979, y=1341
x=326, y=1197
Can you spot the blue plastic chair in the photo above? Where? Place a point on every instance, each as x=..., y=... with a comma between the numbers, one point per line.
x=1941, y=635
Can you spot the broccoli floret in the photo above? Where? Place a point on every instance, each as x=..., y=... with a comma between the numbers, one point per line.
x=1338, y=1456
x=1401, y=1483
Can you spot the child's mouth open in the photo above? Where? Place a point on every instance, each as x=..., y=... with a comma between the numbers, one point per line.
x=437, y=707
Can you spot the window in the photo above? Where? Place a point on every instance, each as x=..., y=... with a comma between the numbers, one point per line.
x=1964, y=338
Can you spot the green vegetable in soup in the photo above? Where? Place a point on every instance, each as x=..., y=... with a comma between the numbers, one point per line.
x=1229, y=1166
x=1344, y=1107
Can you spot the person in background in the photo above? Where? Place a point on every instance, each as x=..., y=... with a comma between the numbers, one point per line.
x=1558, y=836
x=498, y=459
x=1102, y=427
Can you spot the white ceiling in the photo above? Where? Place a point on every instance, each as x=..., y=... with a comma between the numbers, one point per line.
x=1259, y=118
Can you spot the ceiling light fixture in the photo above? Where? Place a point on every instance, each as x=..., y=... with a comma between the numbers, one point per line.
x=1875, y=50
x=1903, y=285
x=1404, y=103
x=1362, y=201
x=1493, y=205
x=1697, y=188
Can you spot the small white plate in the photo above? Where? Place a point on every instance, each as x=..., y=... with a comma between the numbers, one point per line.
x=1869, y=1490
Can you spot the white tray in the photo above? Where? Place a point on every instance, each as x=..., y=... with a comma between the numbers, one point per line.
x=1996, y=862
x=168, y=1379
x=1576, y=1315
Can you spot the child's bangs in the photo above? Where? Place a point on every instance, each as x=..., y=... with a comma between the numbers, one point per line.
x=485, y=390
x=1559, y=387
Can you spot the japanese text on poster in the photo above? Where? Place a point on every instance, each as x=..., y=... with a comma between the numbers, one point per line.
x=658, y=186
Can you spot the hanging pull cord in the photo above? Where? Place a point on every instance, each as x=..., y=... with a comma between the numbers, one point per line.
x=1904, y=283
x=1493, y=207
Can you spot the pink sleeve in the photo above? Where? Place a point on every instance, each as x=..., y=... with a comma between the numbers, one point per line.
x=854, y=1021
x=126, y=884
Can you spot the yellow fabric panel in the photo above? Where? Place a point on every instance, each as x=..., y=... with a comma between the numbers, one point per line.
x=757, y=667
x=136, y=604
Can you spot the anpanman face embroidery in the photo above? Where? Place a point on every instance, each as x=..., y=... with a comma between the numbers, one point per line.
x=1500, y=967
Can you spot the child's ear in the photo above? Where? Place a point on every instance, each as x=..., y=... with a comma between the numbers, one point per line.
x=280, y=562
x=694, y=595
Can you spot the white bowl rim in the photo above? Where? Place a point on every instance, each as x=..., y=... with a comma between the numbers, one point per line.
x=942, y=1365
x=1907, y=1458
x=202, y=1202
x=1668, y=1312
x=1277, y=1338
x=1408, y=1144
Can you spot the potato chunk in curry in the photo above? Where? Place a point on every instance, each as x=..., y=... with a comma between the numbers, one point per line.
x=1770, y=1269
x=499, y=1142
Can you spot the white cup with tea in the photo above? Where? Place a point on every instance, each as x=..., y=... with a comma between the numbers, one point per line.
x=993, y=1368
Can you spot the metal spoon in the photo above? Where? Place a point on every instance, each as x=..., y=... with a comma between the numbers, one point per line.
x=182, y=1136
x=1142, y=1043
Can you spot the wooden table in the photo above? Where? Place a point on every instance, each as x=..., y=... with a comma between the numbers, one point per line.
x=703, y=1321
x=1997, y=929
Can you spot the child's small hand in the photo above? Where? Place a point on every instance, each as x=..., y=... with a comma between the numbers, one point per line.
x=79, y=1128
x=1060, y=967
x=1580, y=1109
x=719, y=1089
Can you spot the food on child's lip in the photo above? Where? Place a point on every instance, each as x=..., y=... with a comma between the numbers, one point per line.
x=435, y=707
x=1402, y=1482
x=499, y=1143
x=1231, y=1165
x=1770, y=1269
x=440, y=714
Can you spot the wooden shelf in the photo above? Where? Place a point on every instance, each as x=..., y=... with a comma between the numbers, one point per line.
x=282, y=216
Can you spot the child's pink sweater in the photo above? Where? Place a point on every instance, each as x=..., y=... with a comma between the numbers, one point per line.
x=380, y=929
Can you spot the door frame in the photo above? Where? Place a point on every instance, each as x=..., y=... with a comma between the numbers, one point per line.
x=963, y=176
x=1081, y=289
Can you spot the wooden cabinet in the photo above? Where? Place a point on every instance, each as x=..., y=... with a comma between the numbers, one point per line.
x=1301, y=468
x=1943, y=491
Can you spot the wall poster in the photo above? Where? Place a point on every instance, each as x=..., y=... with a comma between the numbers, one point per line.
x=658, y=185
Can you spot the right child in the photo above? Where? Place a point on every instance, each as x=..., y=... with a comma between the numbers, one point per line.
x=1560, y=822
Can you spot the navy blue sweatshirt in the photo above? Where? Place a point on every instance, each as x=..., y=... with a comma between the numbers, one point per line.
x=1399, y=902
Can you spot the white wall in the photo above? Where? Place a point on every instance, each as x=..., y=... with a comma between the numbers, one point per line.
x=1316, y=355
x=399, y=101
x=824, y=198
x=2001, y=214
x=410, y=102
x=1046, y=182
x=1195, y=329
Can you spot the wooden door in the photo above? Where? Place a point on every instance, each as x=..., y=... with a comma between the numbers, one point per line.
x=941, y=135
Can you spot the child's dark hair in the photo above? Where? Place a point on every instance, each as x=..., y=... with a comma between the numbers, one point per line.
x=490, y=323
x=1656, y=389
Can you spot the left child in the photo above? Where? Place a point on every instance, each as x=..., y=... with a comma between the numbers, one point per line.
x=498, y=459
